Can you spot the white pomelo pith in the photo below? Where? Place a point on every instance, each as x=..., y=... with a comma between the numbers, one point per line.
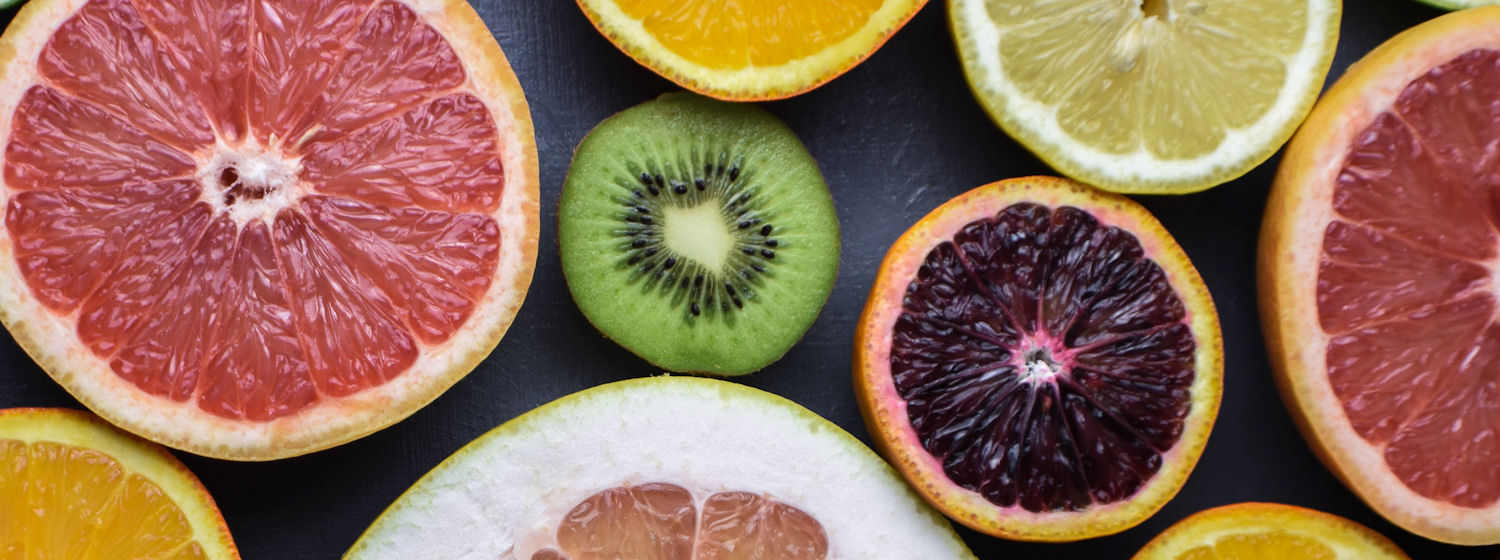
x=504, y=495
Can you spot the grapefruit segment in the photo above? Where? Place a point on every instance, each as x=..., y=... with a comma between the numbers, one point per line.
x=438, y=156
x=68, y=240
x=261, y=228
x=59, y=141
x=107, y=56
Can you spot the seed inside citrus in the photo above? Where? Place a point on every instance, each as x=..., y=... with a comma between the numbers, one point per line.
x=260, y=232
x=1040, y=360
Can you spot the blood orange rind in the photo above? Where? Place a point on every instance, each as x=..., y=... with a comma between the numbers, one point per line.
x=81, y=430
x=1292, y=236
x=885, y=411
x=51, y=341
x=751, y=82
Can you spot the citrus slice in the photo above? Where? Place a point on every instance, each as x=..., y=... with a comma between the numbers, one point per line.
x=663, y=468
x=742, y=50
x=1040, y=360
x=74, y=487
x=1379, y=262
x=1147, y=96
x=252, y=232
x=1256, y=531
x=1457, y=4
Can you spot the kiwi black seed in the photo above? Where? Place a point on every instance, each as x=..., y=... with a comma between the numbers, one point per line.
x=698, y=234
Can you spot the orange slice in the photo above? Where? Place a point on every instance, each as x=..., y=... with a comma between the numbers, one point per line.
x=74, y=487
x=1256, y=531
x=1379, y=263
x=749, y=50
x=1040, y=360
x=254, y=230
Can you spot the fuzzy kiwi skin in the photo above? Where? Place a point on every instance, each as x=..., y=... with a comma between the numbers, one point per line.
x=789, y=192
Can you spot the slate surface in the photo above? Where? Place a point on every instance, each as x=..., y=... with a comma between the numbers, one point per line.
x=895, y=137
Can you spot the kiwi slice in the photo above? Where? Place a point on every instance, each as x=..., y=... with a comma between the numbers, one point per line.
x=698, y=234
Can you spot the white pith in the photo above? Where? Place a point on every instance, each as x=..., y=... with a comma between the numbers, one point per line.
x=501, y=496
x=1034, y=121
x=50, y=338
x=1304, y=343
x=255, y=165
x=698, y=232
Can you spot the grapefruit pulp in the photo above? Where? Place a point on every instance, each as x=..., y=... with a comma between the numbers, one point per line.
x=1040, y=360
x=252, y=230
x=1379, y=262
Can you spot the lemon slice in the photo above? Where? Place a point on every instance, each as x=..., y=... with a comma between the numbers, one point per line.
x=1160, y=96
x=1254, y=531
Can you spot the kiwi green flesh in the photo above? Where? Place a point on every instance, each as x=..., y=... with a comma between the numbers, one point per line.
x=698, y=234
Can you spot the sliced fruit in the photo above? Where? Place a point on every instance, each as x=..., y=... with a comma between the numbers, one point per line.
x=1147, y=96
x=698, y=234
x=1257, y=531
x=1457, y=4
x=749, y=50
x=1378, y=265
x=72, y=486
x=665, y=468
x=255, y=231
x=1040, y=360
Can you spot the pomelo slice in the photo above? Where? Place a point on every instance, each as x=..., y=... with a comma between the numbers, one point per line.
x=1378, y=268
x=749, y=50
x=664, y=468
x=72, y=486
x=1257, y=531
x=254, y=230
x=1040, y=360
x=1147, y=96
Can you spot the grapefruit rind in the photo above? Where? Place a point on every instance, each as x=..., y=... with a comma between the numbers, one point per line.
x=50, y=339
x=1299, y=210
x=885, y=411
x=1347, y=539
x=504, y=491
x=83, y=430
x=753, y=83
x=1033, y=122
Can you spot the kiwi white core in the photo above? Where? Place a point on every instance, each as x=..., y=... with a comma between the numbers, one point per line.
x=699, y=233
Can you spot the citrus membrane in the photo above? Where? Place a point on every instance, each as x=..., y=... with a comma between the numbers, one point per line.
x=1040, y=360
x=676, y=468
x=1378, y=278
x=254, y=233
x=72, y=486
x=1147, y=96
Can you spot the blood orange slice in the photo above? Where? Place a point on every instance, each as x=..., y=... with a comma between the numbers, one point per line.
x=256, y=229
x=1378, y=278
x=1040, y=360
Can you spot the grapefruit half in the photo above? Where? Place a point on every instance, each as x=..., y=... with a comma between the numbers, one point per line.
x=1040, y=360
x=1379, y=263
x=663, y=468
x=254, y=230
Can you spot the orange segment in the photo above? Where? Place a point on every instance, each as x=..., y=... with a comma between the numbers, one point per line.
x=1256, y=531
x=85, y=490
x=749, y=49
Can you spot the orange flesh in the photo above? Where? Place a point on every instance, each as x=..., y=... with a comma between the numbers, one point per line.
x=659, y=521
x=1406, y=286
x=1268, y=544
x=70, y=502
x=122, y=200
x=729, y=34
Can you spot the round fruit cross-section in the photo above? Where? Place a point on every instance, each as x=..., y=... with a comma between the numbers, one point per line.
x=1380, y=278
x=1040, y=360
x=664, y=468
x=254, y=230
x=749, y=51
x=72, y=486
x=1257, y=530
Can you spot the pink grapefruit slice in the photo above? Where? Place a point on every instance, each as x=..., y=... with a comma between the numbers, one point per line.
x=252, y=230
x=1380, y=257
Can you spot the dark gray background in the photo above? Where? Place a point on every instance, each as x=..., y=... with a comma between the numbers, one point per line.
x=895, y=137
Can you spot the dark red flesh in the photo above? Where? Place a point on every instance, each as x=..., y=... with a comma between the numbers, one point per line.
x=1099, y=329
x=1406, y=287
